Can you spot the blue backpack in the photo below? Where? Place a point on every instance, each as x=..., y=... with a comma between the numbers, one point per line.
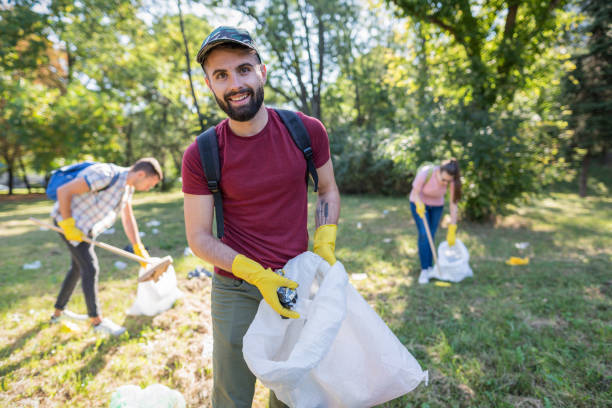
x=68, y=173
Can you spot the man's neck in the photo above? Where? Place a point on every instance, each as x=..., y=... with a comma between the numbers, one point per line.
x=250, y=127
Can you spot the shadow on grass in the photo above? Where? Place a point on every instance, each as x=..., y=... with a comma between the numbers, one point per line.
x=20, y=341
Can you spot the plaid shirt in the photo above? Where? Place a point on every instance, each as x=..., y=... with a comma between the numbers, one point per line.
x=95, y=211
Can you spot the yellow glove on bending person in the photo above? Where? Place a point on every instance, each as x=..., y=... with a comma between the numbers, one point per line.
x=420, y=209
x=450, y=234
x=325, y=242
x=141, y=251
x=71, y=232
x=266, y=281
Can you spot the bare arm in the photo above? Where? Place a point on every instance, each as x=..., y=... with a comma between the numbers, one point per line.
x=452, y=205
x=129, y=225
x=65, y=193
x=327, y=210
x=198, y=227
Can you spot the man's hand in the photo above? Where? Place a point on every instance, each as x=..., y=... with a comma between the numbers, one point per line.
x=325, y=242
x=71, y=232
x=450, y=234
x=141, y=251
x=266, y=281
x=420, y=209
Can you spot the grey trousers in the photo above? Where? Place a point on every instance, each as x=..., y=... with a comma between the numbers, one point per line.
x=234, y=304
x=84, y=266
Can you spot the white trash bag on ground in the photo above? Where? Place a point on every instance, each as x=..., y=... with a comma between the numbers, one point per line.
x=453, y=262
x=155, y=297
x=154, y=396
x=339, y=353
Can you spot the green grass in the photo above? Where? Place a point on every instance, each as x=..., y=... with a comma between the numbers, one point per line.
x=524, y=336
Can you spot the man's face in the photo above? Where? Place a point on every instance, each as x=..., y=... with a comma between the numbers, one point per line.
x=236, y=78
x=145, y=182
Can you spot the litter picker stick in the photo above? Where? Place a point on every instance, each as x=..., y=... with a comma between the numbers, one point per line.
x=431, y=244
x=155, y=269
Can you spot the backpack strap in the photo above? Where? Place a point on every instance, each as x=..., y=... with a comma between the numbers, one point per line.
x=209, y=156
x=113, y=181
x=299, y=134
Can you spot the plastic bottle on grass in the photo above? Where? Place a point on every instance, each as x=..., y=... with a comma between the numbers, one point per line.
x=154, y=396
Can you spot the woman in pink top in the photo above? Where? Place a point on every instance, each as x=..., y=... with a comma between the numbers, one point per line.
x=427, y=202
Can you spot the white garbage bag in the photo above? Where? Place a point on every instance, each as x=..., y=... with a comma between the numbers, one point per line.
x=339, y=353
x=155, y=297
x=453, y=262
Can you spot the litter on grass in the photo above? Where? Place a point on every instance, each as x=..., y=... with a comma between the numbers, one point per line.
x=187, y=252
x=120, y=265
x=153, y=223
x=32, y=265
x=521, y=245
x=154, y=396
x=199, y=272
x=155, y=231
x=142, y=233
x=515, y=260
x=442, y=284
x=387, y=240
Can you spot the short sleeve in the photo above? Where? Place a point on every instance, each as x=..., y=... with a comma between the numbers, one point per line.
x=98, y=176
x=419, y=180
x=319, y=139
x=192, y=173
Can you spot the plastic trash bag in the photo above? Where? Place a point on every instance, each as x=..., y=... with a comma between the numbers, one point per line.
x=155, y=297
x=154, y=396
x=339, y=353
x=453, y=263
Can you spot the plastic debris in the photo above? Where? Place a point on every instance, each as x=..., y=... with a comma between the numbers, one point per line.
x=142, y=233
x=521, y=245
x=69, y=327
x=187, y=251
x=199, y=272
x=32, y=265
x=442, y=284
x=153, y=223
x=387, y=240
x=155, y=231
x=120, y=265
x=109, y=231
x=358, y=276
x=385, y=212
x=154, y=396
x=359, y=225
x=515, y=260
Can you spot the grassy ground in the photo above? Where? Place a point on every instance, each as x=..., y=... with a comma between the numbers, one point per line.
x=526, y=336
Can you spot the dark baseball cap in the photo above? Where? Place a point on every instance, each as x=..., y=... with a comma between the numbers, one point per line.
x=224, y=34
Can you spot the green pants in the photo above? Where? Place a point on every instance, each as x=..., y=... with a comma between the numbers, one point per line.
x=234, y=304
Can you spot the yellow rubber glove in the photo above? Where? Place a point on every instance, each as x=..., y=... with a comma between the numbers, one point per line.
x=325, y=242
x=71, y=232
x=450, y=234
x=420, y=209
x=141, y=251
x=266, y=281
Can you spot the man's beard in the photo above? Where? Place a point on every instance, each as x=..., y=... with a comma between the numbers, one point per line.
x=246, y=112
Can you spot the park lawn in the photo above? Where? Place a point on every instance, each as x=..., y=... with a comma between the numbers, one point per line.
x=528, y=336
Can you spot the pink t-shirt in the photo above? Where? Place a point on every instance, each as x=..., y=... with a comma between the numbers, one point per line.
x=263, y=185
x=430, y=193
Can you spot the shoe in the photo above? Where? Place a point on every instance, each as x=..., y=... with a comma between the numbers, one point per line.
x=424, y=276
x=56, y=319
x=108, y=327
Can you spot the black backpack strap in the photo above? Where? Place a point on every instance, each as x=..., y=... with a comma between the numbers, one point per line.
x=299, y=134
x=209, y=155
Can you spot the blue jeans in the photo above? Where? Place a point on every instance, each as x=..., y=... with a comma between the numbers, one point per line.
x=432, y=216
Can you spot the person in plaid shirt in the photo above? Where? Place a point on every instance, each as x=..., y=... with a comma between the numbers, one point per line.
x=88, y=205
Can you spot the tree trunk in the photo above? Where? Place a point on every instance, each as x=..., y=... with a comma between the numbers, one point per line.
x=584, y=174
x=188, y=59
x=10, y=178
x=25, y=176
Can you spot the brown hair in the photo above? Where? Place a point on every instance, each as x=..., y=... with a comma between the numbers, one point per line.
x=451, y=166
x=150, y=166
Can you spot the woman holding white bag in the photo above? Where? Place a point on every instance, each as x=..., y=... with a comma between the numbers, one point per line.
x=427, y=204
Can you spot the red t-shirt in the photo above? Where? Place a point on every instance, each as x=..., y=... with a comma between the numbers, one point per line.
x=263, y=186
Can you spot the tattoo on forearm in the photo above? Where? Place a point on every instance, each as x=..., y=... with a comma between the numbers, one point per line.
x=322, y=213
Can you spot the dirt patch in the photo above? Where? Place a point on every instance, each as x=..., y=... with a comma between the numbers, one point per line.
x=22, y=197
